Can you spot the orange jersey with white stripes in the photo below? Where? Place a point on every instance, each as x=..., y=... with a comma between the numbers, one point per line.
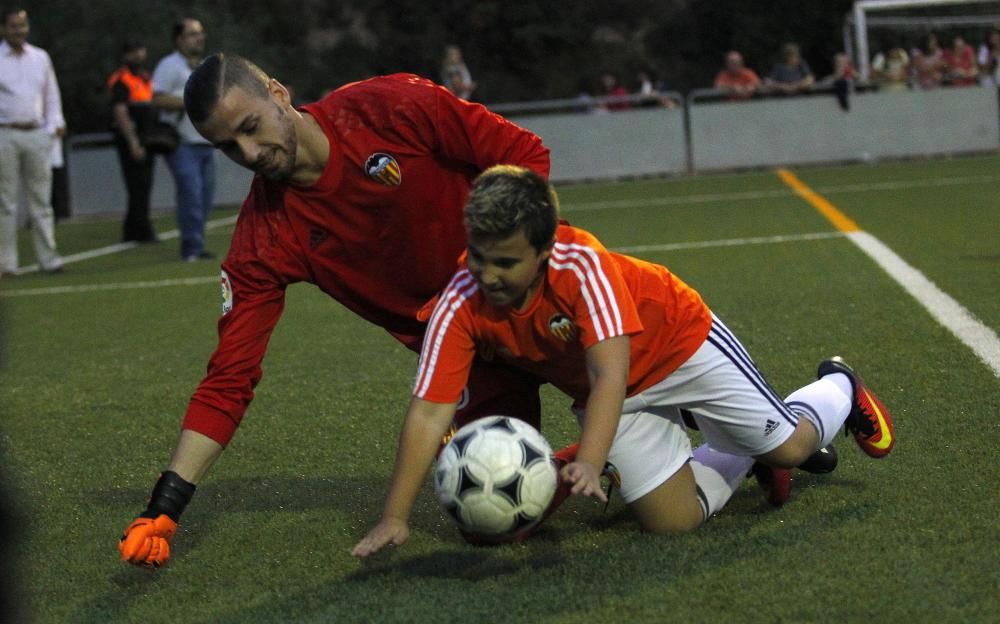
x=587, y=295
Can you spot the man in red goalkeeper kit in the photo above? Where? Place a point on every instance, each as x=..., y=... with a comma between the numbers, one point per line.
x=342, y=185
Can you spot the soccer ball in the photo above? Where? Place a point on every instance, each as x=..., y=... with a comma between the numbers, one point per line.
x=496, y=476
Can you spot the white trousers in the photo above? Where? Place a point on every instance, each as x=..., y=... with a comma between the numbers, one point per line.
x=25, y=159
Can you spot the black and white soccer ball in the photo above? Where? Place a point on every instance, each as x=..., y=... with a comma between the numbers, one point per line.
x=496, y=476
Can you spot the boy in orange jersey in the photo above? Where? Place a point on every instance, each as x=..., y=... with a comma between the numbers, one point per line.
x=633, y=345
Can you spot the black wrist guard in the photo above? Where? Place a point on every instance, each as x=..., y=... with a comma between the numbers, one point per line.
x=170, y=496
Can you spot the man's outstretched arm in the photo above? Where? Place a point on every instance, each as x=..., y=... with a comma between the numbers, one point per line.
x=146, y=541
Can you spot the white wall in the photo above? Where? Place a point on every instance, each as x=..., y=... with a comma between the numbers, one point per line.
x=97, y=185
x=651, y=141
x=759, y=133
x=612, y=145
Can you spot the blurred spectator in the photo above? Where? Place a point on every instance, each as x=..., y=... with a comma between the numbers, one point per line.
x=934, y=52
x=927, y=65
x=926, y=72
x=30, y=120
x=131, y=91
x=792, y=74
x=892, y=70
x=585, y=97
x=455, y=74
x=457, y=83
x=739, y=81
x=960, y=64
x=989, y=59
x=652, y=92
x=193, y=162
x=841, y=80
x=610, y=87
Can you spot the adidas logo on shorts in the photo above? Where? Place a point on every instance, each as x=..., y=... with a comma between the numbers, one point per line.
x=770, y=427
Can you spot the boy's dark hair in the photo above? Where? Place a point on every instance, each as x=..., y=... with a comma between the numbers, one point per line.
x=505, y=199
x=211, y=80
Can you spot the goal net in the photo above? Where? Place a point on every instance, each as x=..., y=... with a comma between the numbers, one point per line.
x=874, y=25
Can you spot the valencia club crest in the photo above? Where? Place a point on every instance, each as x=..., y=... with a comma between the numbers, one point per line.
x=562, y=327
x=384, y=169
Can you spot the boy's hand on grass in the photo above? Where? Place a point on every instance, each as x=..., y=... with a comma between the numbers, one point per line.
x=389, y=531
x=586, y=479
x=146, y=542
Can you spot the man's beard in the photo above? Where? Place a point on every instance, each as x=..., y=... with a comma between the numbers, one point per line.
x=289, y=145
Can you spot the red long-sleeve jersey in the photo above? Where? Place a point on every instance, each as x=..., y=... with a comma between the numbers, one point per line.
x=380, y=231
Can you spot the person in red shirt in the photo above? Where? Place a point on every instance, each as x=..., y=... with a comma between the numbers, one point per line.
x=615, y=92
x=736, y=79
x=960, y=64
x=342, y=187
x=632, y=345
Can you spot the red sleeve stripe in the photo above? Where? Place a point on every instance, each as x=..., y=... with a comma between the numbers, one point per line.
x=462, y=286
x=596, y=288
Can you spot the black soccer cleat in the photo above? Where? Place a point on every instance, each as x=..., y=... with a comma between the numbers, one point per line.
x=823, y=461
x=869, y=420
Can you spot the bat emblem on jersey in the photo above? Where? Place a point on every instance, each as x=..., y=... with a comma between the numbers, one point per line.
x=562, y=327
x=384, y=169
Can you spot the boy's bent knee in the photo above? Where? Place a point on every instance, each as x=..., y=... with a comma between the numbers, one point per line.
x=795, y=450
x=671, y=508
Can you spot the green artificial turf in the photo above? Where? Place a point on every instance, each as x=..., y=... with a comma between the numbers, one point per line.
x=93, y=385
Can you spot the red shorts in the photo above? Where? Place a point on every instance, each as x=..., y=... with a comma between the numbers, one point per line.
x=496, y=389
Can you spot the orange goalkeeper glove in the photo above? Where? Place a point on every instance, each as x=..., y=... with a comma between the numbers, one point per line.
x=146, y=541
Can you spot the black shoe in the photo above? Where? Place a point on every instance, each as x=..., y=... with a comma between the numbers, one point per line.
x=823, y=461
x=869, y=419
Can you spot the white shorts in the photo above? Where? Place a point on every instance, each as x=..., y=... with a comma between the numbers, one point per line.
x=734, y=406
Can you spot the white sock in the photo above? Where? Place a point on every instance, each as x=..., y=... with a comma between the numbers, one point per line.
x=843, y=382
x=718, y=475
x=825, y=403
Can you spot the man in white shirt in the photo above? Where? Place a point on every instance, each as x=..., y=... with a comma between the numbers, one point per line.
x=30, y=119
x=193, y=162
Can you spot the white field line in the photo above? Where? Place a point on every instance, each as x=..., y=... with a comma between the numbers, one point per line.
x=983, y=341
x=83, y=288
x=708, y=198
x=191, y=281
x=731, y=242
x=616, y=204
x=119, y=247
x=972, y=332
